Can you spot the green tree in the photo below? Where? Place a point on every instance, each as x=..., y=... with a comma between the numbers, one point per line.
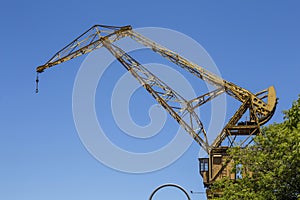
x=271, y=167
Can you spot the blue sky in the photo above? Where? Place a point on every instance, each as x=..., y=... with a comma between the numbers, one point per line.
x=255, y=44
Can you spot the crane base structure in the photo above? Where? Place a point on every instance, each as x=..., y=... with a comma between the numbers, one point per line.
x=258, y=108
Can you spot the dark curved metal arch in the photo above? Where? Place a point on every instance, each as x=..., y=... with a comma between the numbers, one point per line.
x=170, y=185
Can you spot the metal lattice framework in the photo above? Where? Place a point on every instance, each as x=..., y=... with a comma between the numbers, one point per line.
x=104, y=36
x=260, y=106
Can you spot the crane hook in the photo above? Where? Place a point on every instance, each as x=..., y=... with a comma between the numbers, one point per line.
x=37, y=83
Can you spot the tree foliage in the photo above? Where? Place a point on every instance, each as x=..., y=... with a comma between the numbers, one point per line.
x=270, y=168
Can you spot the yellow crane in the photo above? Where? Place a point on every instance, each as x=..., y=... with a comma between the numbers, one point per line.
x=260, y=106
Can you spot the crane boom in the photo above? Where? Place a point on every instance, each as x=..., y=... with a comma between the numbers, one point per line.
x=94, y=38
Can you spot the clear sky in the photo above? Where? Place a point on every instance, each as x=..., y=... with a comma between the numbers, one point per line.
x=254, y=43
